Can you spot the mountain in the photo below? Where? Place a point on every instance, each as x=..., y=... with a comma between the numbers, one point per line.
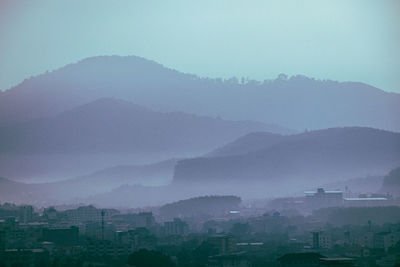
x=156, y=174
x=248, y=143
x=108, y=132
x=20, y=193
x=76, y=84
x=110, y=125
x=58, y=193
x=296, y=162
x=297, y=102
x=40, y=195
x=82, y=188
x=8, y=188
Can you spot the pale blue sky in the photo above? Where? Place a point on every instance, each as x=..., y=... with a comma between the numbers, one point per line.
x=357, y=40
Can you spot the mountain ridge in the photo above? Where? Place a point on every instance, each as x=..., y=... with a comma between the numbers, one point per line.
x=304, y=160
x=290, y=102
x=108, y=119
x=107, y=132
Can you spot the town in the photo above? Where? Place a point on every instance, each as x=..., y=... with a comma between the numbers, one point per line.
x=320, y=229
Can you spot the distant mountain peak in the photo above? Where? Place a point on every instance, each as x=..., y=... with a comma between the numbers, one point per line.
x=115, y=59
x=297, y=102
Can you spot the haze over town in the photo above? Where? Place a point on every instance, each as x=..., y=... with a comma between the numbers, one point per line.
x=199, y=133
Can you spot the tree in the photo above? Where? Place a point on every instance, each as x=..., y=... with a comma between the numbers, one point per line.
x=203, y=252
x=149, y=258
x=239, y=229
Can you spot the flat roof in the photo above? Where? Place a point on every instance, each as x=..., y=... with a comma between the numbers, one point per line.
x=326, y=192
x=336, y=259
x=365, y=198
x=250, y=244
x=309, y=192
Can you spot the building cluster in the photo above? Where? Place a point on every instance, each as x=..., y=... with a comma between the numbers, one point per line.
x=324, y=199
x=87, y=235
x=86, y=230
x=321, y=198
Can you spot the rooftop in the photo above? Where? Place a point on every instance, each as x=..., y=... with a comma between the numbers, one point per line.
x=303, y=256
x=364, y=198
x=326, y=192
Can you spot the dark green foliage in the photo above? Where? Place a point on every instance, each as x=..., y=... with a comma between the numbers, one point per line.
x=393, y=178
x=205, y=250
x=209, y=205
x=239, y=229
x=149, y=258
x=391, y=183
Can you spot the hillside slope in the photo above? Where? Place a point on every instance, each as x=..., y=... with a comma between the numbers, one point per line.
x=296, y=162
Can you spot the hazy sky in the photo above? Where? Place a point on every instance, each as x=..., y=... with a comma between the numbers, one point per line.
x=343, y=40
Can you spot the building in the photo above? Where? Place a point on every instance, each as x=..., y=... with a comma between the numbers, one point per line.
x=386, y=240
x=145, y=219
x=238, y=259
x=24, y=257
x=323, y=199
x=367, y=240
x=101, y=248
x=140, y=238
x=381, y=240
x=51, y=214
x=2, y=242
x=25, y=214
x=225, y=244
x=366, y=201
x=126, y=222
x=176, y=227
x=347, y=262
x=88, y=214
x=308, y=259
x=321, y=240
x=62, y=236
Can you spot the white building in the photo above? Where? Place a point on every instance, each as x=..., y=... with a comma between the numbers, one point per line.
x=323, y=199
